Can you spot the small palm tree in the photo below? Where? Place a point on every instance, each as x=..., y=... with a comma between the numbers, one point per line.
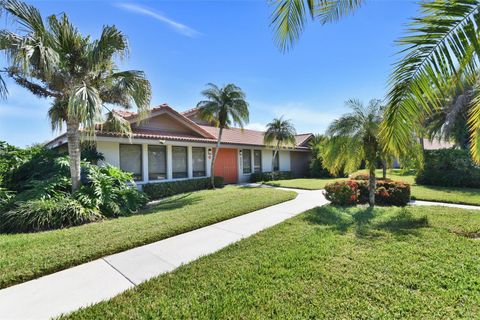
x=279, y=133
x=53, y=60
x=224, y=107
x=353, y=138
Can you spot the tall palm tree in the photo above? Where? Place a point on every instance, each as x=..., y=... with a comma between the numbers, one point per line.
x=224, y=107
x=279, y=133
x=441, y=53
x=289, y=17
x=53, y=60
x=353, y=138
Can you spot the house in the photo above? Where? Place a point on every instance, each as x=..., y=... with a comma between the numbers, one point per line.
x=171, y=145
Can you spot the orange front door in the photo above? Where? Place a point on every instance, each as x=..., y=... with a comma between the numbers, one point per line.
x=226, y=165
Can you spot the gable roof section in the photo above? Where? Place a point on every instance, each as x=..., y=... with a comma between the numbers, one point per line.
x=302, y=139
x=162, y=109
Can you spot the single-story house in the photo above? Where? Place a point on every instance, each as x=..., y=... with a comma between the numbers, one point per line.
x=171, y=145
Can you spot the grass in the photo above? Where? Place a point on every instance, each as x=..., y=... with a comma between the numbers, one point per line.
x=28, y=256
x=328, y=263
x=430, y=193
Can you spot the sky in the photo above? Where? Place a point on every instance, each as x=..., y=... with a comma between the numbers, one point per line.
x=183, y=45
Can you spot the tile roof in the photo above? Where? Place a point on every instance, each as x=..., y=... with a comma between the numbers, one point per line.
x=234, y=136
x=248, y=137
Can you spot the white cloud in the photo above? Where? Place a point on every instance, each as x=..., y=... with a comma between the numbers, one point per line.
x=256, y=126
x=178, y=27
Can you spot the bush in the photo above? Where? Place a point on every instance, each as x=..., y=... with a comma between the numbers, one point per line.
x=360, y=176
x=316, y=169
x=45, y=214
x=387, y=193
x=170, y=188
x=44, y=201
x=351, y=192
x=449, y=168
x=110, y=190
x=270, y=176
x=6, y=199
x=343, y=193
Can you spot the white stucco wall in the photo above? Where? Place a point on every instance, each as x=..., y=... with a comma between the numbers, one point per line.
x=111, y=152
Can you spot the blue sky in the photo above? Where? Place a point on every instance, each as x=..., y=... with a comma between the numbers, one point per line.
x=182, y=45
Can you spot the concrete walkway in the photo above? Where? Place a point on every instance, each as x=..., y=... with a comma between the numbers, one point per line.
x=102, y=279
x=443, y=204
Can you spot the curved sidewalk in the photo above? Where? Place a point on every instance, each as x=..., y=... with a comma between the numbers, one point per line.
x=102, y=279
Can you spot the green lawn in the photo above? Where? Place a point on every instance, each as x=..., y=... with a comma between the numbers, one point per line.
x=28, y=256
x=430, y=193
x=328, y=263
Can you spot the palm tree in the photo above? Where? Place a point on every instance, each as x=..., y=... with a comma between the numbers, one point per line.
x=450, y=122
x=224, y=107
x=279, y=132
x=53, y=60
x=353, y=138
x=290, y=16
x=440, y=55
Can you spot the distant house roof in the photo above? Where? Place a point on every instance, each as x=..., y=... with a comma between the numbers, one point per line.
x=204, y=133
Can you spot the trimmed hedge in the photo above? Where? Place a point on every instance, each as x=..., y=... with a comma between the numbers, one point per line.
x=351, y=192
x=270, y=176
x=343, y=193
x=449, y=168
x=170, y=188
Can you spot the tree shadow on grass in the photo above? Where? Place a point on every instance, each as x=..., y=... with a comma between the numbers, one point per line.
x=171, y=203
x=367, y=222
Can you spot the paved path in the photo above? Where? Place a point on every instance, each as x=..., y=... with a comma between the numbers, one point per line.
x=102, y=279
x=443, y=204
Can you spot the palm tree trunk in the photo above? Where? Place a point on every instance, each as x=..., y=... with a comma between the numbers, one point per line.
x=212, y=175
x=73, y=137
x=384, y=169
x=371, y=186
x=275, y=152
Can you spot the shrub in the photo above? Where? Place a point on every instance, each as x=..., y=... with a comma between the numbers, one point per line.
x=343, y=193
x=110, y=190
x=6, y=199
x=449, y=168
x=360, y=176
x=316, y=169
x=170, y=188
x=387, y=193
x=270, y=176
x=45, y=214
x=351, y=192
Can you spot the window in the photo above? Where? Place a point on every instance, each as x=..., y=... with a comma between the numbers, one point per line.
x=131, y=160
x=157, y=163
x=247, y=161
x=257, y=161
x=198, y=160
x=179, y=162
x=276, y=162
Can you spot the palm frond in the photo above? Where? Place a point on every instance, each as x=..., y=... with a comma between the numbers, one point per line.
x=289, y=17
x=333, y=10
x=442, y=45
